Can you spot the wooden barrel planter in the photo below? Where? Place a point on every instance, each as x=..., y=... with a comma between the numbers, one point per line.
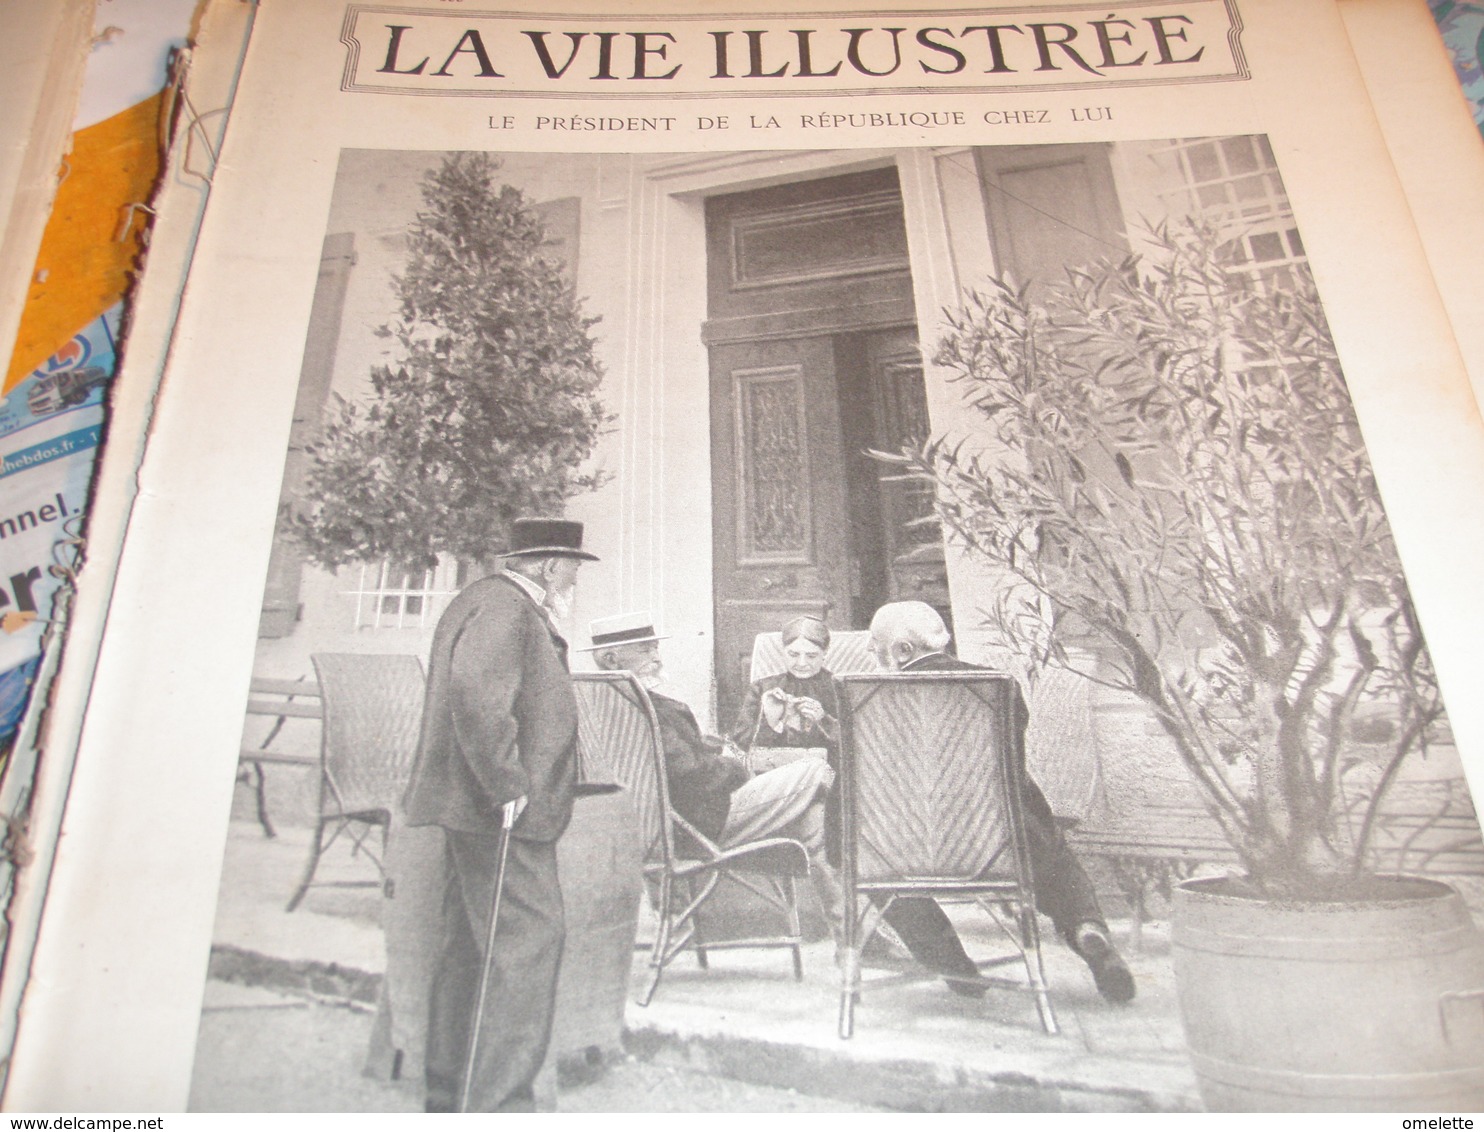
x=1359, y=1005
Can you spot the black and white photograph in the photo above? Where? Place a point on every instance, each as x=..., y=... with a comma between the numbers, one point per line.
x=902, y=629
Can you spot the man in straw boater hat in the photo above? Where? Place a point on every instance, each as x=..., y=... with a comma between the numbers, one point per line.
x=711, y=788
x=499, y=749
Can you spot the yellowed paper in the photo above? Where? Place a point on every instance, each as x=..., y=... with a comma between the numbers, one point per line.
x=910, y=152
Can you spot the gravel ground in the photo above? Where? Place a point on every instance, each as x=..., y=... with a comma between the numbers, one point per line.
x=259, y=1051
x=638, y=1086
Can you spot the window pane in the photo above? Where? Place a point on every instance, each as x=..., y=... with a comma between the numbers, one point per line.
x=1251, y=188
x=1203, y=163
x=1239, y=154
x=1277, y=279
x=1212, y=196
x=1267, y=246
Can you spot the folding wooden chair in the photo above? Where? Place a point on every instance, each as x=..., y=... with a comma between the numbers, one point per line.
x=931, y=775
x=620, y=742
x=372, y=706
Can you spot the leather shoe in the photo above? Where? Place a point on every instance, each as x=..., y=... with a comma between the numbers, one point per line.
x=1115, y=982
x=964, y=988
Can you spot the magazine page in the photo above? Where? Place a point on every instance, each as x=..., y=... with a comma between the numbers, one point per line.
x=63, y=401
x=710, y=560
x=43, y=60
x=1438, y=157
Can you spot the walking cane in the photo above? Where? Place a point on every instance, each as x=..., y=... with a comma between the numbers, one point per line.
x=507, y=820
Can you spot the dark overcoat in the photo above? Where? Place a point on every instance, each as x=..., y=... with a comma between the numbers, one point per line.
x=700, y=777
x=499, y=720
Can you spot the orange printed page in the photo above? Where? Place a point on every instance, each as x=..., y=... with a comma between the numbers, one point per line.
x=92, y=241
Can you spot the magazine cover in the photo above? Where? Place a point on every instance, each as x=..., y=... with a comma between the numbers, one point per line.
x=717, y=560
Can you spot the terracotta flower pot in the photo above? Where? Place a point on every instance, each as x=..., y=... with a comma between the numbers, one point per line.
x=1331, y=1006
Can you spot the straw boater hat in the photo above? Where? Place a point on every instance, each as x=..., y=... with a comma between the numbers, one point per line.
x=622, y=629
x=547, y=538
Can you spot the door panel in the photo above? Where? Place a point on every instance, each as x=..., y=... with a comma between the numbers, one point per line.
x=801, y=278
x=912, y=535
x=896, y=542
x=807, y=521
x=779, y=545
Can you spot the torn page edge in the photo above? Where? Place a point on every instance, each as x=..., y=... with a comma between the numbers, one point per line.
x=34, y=793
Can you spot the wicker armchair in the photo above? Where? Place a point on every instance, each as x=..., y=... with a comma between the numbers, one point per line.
x=931, y=778
x=372, y=707
x=619, y=740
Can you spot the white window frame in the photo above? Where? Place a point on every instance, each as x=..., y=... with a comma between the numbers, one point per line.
x=1261, y=217
x=384, y=596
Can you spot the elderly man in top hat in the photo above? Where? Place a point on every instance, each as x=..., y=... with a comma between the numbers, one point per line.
x=499, y=733
x=711, y=788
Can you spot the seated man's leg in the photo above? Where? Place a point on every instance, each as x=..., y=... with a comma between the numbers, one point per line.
x=930, y=936
x=780, y=801
x=788, y=801
x=784, y=802
x=1064, y=893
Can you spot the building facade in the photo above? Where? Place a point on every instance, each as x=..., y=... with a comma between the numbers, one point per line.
x=767, y=319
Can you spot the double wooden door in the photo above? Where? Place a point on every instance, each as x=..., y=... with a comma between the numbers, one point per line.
x=815, y=361
x=814, y=364
x=804, y=521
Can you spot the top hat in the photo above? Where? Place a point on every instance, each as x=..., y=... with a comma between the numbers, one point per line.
x=554, y=538
x=621, y=629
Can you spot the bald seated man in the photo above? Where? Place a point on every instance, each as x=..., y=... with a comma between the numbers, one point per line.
x=909, y=636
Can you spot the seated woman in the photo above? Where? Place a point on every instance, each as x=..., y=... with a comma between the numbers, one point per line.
x=797, y=707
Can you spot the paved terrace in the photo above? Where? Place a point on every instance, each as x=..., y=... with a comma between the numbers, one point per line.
x=288, y=1014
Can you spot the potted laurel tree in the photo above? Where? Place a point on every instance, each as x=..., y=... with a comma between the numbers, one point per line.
x=1170, y=476
x=487, y=411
